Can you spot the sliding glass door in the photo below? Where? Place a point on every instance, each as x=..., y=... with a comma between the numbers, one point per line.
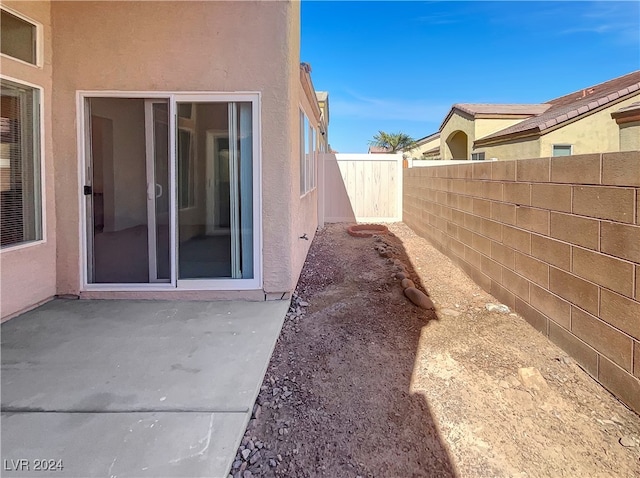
x=215, y=190
x=182, y=215
x=127, y=191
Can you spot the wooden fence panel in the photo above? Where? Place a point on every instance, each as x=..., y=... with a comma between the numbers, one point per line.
x=361, y=187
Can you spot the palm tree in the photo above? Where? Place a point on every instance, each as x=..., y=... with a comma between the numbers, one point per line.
x=393, y=142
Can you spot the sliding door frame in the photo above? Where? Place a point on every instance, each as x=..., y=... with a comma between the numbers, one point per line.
x=173, y=97
x=236, y=97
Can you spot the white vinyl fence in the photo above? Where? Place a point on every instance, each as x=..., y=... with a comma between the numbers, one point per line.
x=361, y=187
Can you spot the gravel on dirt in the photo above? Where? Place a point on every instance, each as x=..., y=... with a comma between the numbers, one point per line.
x=363, y=383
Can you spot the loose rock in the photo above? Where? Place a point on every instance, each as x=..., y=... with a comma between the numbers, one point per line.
x=407, y=283
x=628, y=442
x=532, y=379
x=501, y=308
x=450, y=312
x=418, y=298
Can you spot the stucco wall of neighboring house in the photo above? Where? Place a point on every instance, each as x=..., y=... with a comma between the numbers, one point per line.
x=486, y=126
x=416, y=153
x=630, y=136
x=595, y=133
x=517, y=149
x=180, y=46
x=28, y=273
x=457, y=122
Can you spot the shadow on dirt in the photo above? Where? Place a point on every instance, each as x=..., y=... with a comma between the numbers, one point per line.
x=346, y=355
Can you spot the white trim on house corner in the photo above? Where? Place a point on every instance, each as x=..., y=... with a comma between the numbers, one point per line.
x=39, y=39
x=43, y=195
x=173, y=97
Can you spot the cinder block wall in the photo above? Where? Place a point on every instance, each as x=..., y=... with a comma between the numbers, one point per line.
x=555, y=239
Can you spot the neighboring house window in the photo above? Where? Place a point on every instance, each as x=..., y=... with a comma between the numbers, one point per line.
x=20, y=163
x=562, y=150
x=307, y=155
x=477, y=156
x=18, y=38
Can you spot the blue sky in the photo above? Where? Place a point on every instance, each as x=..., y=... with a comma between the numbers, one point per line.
x=399, y=66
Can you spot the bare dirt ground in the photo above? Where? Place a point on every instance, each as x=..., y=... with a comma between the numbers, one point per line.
x=363, y=383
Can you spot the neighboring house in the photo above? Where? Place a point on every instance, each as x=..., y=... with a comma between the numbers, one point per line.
x=426, y=148
x=577, y=123
x=628, y=120
x=155, y=150
x=466, y=123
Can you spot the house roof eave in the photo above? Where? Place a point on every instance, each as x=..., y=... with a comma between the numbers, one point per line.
x=307, y=87
x=532, y=133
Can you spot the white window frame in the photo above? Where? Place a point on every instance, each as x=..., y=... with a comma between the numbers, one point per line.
x=173, y=97
x=477, y=158
x=302, y=160
x=308, y=155
x=39, y=39
x=563, y=145
x=43, y=199
x=312, y=153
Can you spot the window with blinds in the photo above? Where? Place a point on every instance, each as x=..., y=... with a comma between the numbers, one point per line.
x=20, y=188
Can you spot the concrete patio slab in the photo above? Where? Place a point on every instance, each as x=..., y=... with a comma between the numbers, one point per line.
x=133, y=388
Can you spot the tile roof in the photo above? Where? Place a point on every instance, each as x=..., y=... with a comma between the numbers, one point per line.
x=501, y=109
x=428, y=138
x=474, y=109
x=569, y=106
x=432, y=150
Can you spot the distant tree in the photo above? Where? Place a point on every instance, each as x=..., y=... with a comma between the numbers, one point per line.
x=393, y=142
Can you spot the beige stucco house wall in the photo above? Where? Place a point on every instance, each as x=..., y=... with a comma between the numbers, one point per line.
x=28, y=271
x=630, y=136
x=458, y=125
x=425, y=144
x=513, y=149
x=485, y=126
x=165, y=47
